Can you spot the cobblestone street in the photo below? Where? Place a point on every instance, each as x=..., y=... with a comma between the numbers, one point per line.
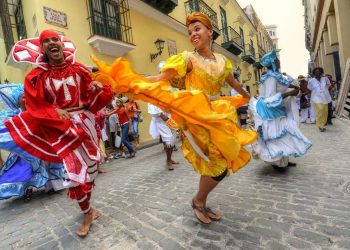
x=145, y=206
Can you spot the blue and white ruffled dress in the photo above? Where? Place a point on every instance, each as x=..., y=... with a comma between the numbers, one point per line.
x=277, y=122
x=21, y=170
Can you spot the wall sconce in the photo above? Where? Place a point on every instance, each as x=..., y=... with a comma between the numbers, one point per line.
x=237, y=73
x=160, y=46
x=6, y=81
x=249, y=77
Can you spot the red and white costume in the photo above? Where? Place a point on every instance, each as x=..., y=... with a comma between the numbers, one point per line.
x=40, y=131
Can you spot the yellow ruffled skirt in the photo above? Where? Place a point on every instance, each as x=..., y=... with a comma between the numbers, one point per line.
x=213, y=124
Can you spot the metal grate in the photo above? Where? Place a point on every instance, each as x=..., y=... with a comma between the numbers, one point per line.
x=110, y=19
x=229, y=34
x=12, y=21
x=250, y=50
x=200, y=6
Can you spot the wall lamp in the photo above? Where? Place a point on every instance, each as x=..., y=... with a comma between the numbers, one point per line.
x=249, y=77
x=160, y=46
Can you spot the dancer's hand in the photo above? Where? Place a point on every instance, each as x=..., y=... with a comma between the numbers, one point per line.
x=63, y=114
x=96, y=86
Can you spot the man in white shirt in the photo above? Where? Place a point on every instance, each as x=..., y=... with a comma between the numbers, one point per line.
x=320, y=97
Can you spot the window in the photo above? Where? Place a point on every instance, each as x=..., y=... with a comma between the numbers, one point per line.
x=105, y=18
x=224, y=24
x=241, y=32
x=251, y=49
x=12, y=22
x=255, y=75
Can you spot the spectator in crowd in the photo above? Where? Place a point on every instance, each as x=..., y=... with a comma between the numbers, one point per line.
x=304, y=100
x=320, y=97
x=125, y=124
x=134, y=111
x=332, y=91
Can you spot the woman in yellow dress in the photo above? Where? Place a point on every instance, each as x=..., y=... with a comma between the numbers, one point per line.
x=213, y=142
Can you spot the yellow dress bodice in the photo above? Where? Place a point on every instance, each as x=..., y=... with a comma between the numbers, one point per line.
x=206, y=75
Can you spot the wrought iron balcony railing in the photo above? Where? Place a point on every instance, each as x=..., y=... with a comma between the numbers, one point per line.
x=165, y=6
x=261, y=50
x=110, y=19
x=200, y=6
x=232, y=40
x=249, y=50
x=249, y=54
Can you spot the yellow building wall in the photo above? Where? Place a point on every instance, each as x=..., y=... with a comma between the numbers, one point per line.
x=145, y=31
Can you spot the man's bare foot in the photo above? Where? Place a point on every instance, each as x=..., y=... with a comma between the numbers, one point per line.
x=169, y=165
x=96, y=214
x=85, y=227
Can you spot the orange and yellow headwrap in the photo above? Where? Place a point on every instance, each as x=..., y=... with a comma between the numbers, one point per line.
x=199, y=17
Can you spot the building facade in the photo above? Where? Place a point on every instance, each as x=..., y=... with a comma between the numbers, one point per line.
x=272, y=31
x=264, y=41
x=327, y=35
x=145, y=32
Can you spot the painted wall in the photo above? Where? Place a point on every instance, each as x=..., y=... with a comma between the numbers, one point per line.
x=145, y=31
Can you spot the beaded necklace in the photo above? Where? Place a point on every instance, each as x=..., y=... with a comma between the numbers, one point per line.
x=205, y=58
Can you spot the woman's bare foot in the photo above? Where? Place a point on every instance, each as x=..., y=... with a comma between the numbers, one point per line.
x=213, y=215
x=174, y=162
x=201, y=213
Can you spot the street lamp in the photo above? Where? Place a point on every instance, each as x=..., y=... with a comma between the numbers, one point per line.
x=160, y=46
x=237, y=73
x=249, y=77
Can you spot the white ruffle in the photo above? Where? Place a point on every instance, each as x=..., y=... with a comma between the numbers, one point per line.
x=278, y=138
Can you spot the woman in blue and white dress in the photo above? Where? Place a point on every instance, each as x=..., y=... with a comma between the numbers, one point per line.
x=276, y=117
x=20, y=170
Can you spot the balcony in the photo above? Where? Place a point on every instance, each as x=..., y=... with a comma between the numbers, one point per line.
x=258, y=65
x=200, y=6
x=164, y=6
x=261, y=51
x=249, y=54
x=232, y=41
x=110, y=27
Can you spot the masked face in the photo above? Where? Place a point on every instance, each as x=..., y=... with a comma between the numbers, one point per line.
x=200, y=35
x=53, y=48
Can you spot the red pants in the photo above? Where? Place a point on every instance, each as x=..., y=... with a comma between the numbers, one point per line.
x=82, y=194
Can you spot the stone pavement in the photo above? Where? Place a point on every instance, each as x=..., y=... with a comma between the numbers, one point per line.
x=145, y=206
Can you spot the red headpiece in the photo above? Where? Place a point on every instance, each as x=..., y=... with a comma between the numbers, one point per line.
x=29, y=50
x=47, y=34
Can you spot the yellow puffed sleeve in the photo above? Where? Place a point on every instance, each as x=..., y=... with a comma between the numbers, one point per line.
x=178, y=63
x=228, y=67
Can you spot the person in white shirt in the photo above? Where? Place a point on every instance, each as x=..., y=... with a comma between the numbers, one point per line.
x=158, y=127
x=320, y=97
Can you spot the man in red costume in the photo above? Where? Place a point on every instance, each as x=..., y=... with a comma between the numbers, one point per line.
x=59, y=125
